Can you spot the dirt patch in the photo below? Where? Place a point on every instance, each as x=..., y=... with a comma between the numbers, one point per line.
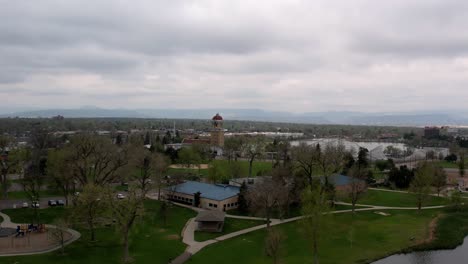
x=161, y=230
x=173, y=237
x=432, y=230
x=192, y=167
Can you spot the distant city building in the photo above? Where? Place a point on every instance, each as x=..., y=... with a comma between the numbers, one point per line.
x=449, y=131
x=215, y=139
x=431, y=132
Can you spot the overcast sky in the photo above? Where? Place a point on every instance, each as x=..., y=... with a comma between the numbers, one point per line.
x=298, y=56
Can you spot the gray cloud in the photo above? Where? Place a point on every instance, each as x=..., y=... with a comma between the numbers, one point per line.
x=282, y=55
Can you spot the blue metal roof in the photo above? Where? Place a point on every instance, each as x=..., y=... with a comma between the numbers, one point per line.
x=217, y=192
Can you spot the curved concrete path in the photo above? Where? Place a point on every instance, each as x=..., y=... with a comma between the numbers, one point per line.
x=194, y=246
x=75, y=235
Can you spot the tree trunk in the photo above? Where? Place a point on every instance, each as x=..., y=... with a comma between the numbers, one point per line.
x=4, y=185
x=316, y=259
x=268, y=218
x=250, y=167
x=126, y=254
x=91, y=230
x=159, y=191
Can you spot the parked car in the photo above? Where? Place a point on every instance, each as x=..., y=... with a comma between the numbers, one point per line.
x=120, y=196
x=35, y=204
x=25, y=205
x=52, y=203
x=60, y=203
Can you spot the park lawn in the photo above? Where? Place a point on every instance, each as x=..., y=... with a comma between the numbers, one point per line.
x=452, y=228
x=258, y=168
x=396, y=199
x=347, y=239
x=25, y=215
x=151, y=241
x=449, y=165
x=378, y=174
x=230, y=225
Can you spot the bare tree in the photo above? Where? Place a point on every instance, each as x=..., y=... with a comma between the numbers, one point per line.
x=461, y=164
x=149, y=165
x=232, y=148
x=440, y=179
x=357, y=185
x=125, y=212
x=160, y=167
x=59, y=232
x=314, y=208
x=305, y=156
x=9, y=163
x=91, y=205
x=421, y=184
x=253, y=149
x=95, y=159
x=330, y=159
x=59, y=172
x=273, y=244
x=266, y=196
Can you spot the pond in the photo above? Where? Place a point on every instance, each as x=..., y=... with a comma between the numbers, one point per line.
x=350, y=144
x=454, y=256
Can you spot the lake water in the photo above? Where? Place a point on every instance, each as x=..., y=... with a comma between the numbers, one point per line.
x=455, y=256
x=350, y=144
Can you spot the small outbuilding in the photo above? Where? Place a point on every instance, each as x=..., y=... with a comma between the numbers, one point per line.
x=210, y=221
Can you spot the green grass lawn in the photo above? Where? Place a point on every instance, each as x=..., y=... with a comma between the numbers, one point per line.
x=452, y=228
x=449, y=165
x=151, y=241
x=25, y=215
x=259, y=167
x=347, y=239
x=385, y=198
x=230, y=225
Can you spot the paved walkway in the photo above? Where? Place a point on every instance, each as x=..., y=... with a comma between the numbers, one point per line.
x=194, y=246
x=75, y=235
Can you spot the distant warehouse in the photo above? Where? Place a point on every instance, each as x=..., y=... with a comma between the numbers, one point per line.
x=219, y=197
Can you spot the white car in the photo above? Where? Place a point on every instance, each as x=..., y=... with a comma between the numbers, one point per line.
x=120, y=196
x=25, y=205
x=35, y=204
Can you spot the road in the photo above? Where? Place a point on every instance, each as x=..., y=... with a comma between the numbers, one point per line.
x=8, y=204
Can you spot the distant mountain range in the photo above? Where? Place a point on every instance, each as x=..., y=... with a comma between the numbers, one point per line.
x=427, y=118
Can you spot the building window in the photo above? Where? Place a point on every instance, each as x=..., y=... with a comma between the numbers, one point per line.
x=215, y=206
x=210, y=204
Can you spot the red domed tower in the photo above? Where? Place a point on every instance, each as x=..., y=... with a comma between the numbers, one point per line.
x=217, y=133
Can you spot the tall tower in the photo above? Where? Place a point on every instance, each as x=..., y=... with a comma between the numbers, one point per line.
x=217, y=132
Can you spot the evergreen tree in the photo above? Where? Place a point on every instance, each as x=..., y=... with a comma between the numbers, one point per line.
x=243, y=206
x=147, y=140
x=363, y=161
x=196, y=199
